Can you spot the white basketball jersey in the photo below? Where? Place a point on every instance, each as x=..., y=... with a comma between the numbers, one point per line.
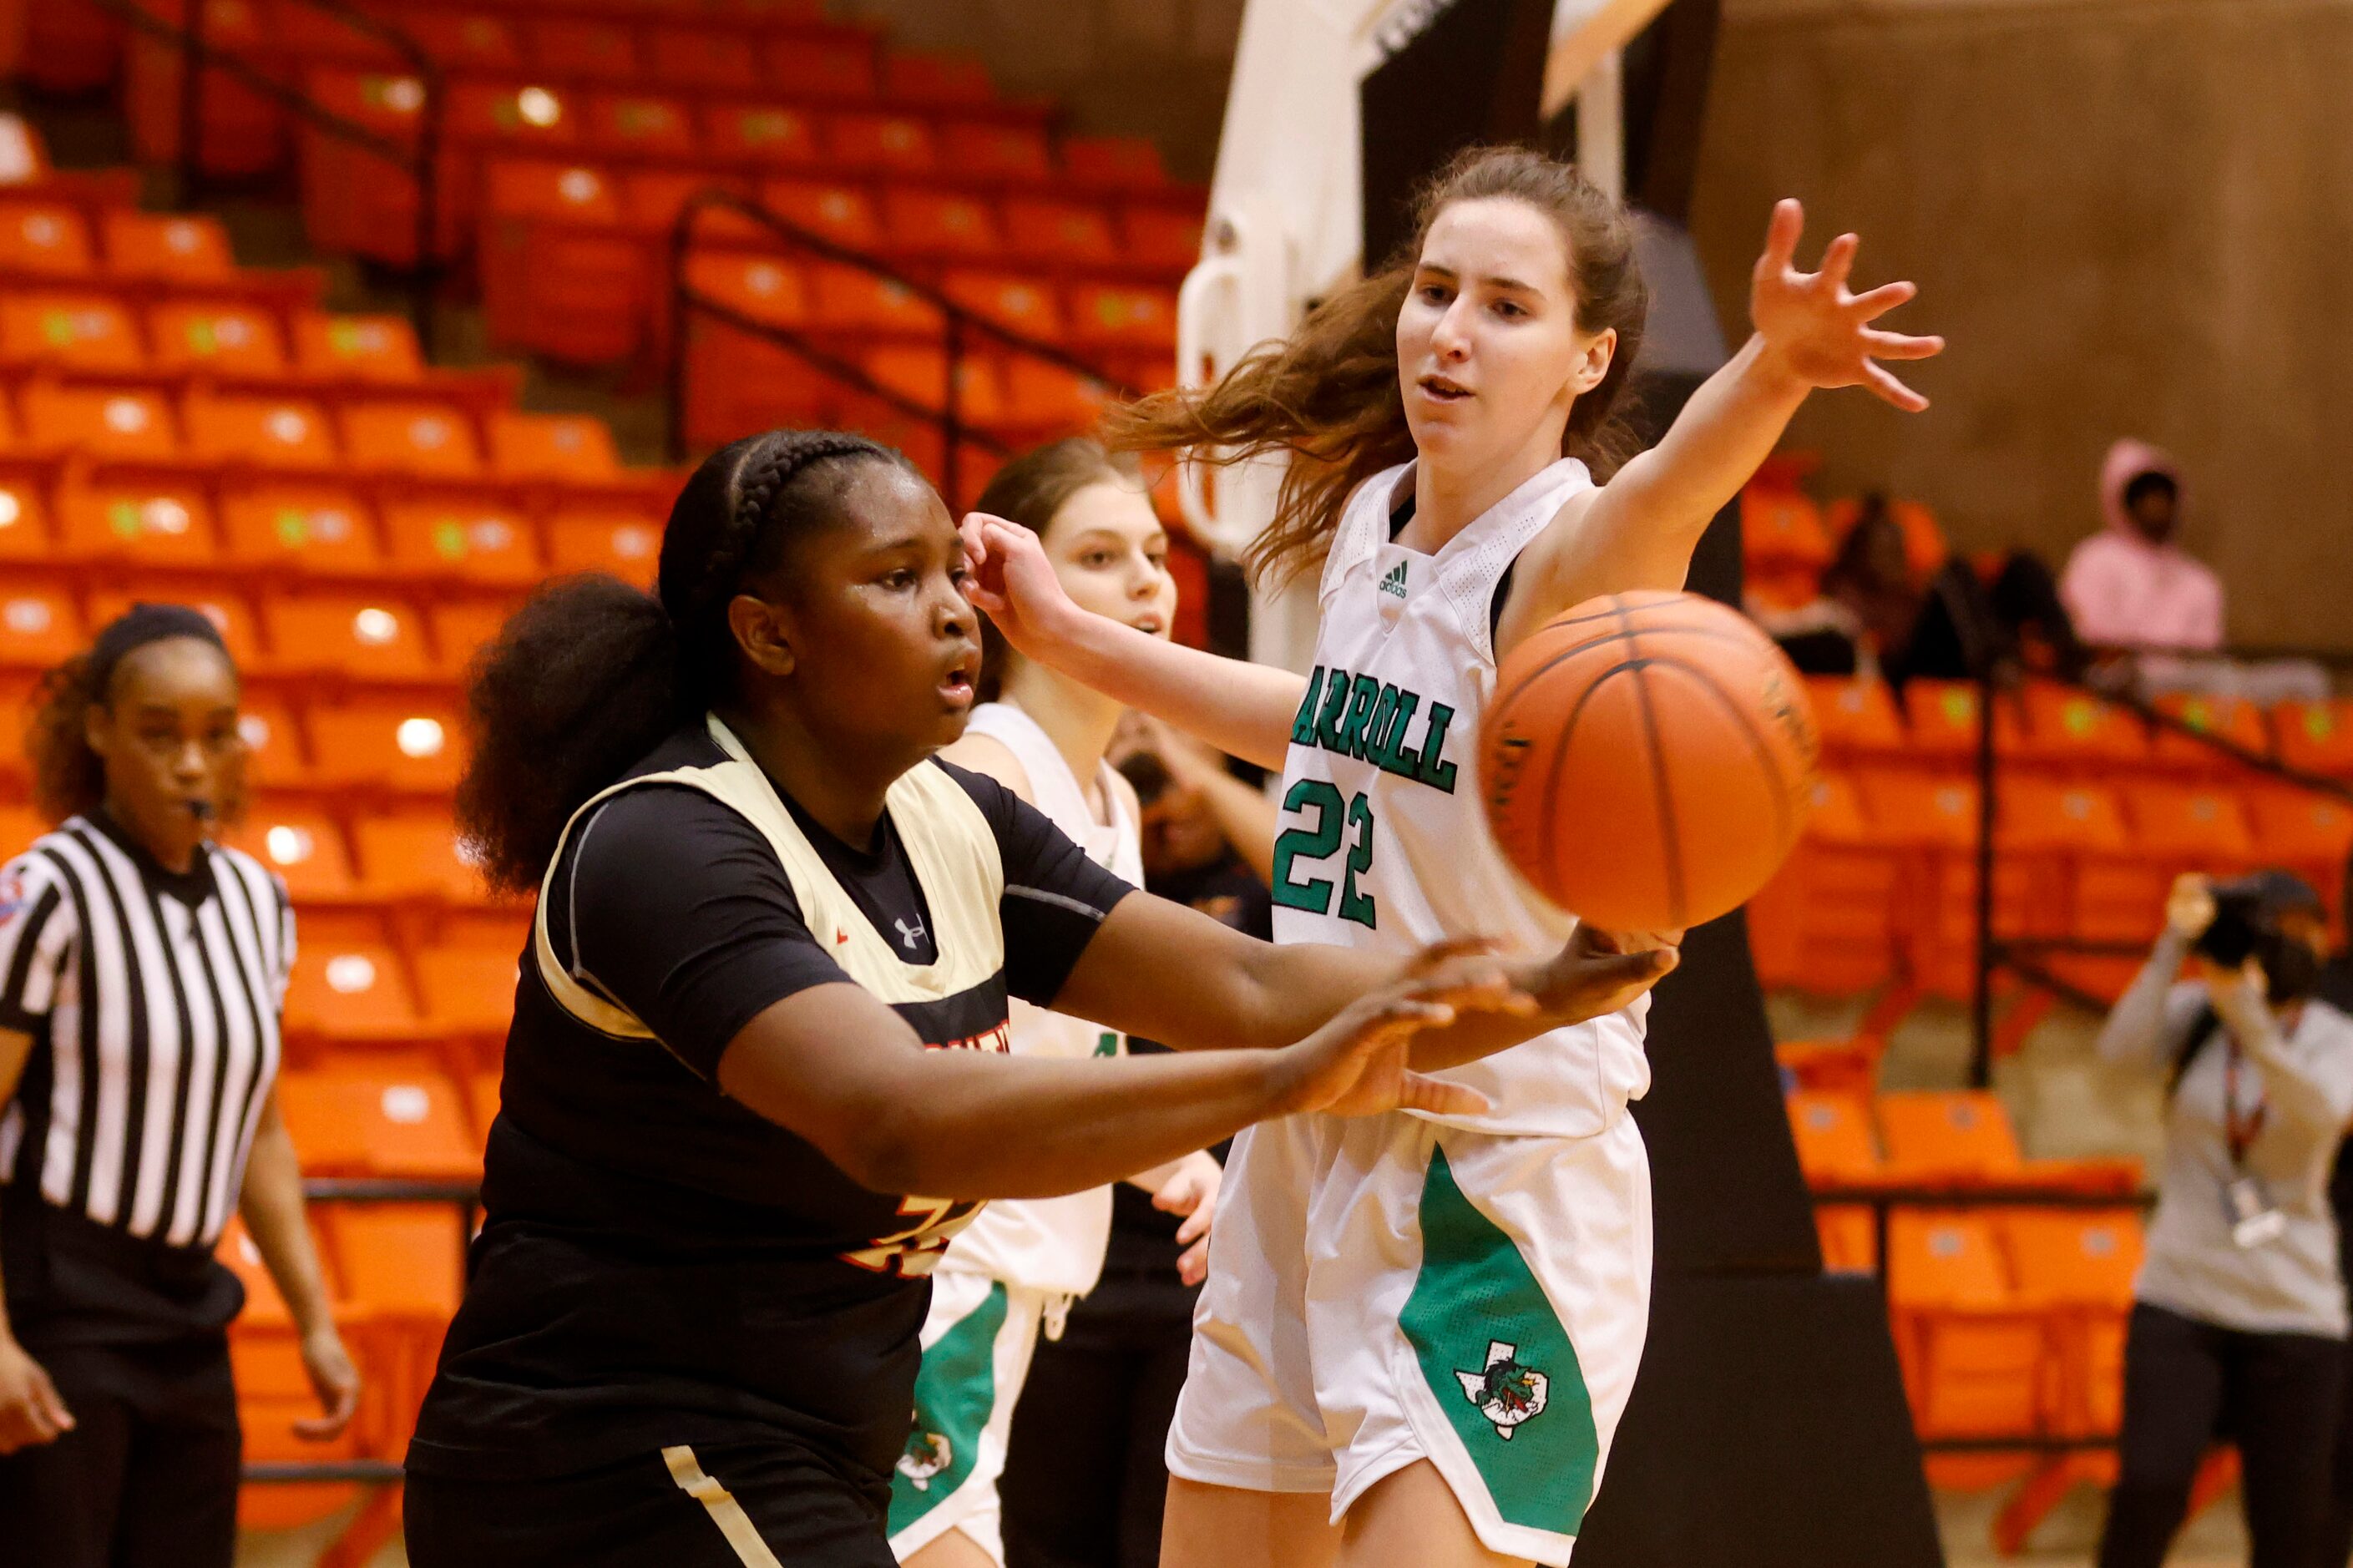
x=1053, y=1243
x=1384, y=843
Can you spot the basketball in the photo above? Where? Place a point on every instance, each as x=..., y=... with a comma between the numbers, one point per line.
x=1647, y=759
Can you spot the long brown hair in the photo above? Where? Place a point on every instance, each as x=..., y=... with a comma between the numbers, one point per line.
x=1328, y=395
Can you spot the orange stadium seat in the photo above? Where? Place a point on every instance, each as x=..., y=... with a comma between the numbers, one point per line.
x=1114, y=162
x=273, y=1392
x=1123, y=315
x=585, y=47
x=403, y=1266
x=990, y=150
x=357, y=348
x=300, y=843
x=367, y=637
x=850, y=300
x=188, y=337
x=38, y=626
x=2317, y=736
x=841, y=212
x=1782, y=534
x=765, y=134
x=1947, y=1136
x=1825, y=921
x=310, y=527
x=702, y=60
x=406, y=745
x=625, y=545
x=468, y=990
x=1835, y=1148
x=414, y=854
x=268, y=432
x=474, y=41
x=551, y=447
x=2310, y=833
x=348, y=986
x=168, y=247
x=429, y=439
x=1973, y=1358
x=127, y=426
x=1057, y=230
x=224, y=607
x=496, y=114
x=1857, y=716
x=2204, y=827
x=1159, y=236
x=47, y=239
x=462, y=628
x=935, y=80
x=394, y=1119
x=2233, y=719
x=920, y=375
x=161, y=525
x=940, y=224
x=1038, y=393
x=1024, y=304
x=1925, y=548
x=24, y=537
x=1942, y=716
x=2073, y=729
x=832, y=67
x=450, y=536
x=533, y=187
x=2078, y=1267
x=273, y=747
x=640, y=125
x=894, y=144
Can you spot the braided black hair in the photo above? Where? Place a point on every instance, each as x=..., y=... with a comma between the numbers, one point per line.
x=591, y=673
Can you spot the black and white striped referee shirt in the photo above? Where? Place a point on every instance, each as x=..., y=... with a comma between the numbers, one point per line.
x=152, y=999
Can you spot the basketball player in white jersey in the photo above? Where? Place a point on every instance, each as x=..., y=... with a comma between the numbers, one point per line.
x=1019, y=1266
x=1419, y=1332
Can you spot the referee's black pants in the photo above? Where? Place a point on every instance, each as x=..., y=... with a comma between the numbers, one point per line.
x=1086, y=1477
x=147, y=1477
x=2189, y=1383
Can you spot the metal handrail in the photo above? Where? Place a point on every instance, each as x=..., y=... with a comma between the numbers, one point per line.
x=422, y=161
x=960, y=323
x=2016, y=953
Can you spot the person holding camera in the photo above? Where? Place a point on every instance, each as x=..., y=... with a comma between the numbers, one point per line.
x=2239, y=1325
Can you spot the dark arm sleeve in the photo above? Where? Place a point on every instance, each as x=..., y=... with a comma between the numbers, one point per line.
x=1055, y=897
x=677, y=910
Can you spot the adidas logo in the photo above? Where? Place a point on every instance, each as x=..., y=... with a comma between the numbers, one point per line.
x=1393, y=584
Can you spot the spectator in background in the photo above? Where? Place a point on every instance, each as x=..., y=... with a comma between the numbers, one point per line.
x=1085, y=1478
x=2239, y=1317
x=1873, y=616
x=2335, y=988
x=2130, y=584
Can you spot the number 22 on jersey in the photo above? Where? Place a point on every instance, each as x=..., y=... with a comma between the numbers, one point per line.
x=1335, y=818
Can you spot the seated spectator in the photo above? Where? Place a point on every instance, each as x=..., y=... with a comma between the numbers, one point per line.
x=2237, y=1325
x=1873, y=616
x=2131, y=585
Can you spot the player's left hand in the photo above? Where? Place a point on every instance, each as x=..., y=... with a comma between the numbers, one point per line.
x=336, y=1381
x=1816, y=329
x=1192, y=1191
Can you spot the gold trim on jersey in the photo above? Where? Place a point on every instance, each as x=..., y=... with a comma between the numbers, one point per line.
x=950, y=846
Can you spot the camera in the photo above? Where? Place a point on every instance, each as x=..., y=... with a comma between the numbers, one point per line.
x=2247, y=925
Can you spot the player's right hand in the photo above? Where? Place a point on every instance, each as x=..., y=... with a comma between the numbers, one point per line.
x=31, y=1413
x=1014, y=583
x=1597, y=972
x=1355, y=1064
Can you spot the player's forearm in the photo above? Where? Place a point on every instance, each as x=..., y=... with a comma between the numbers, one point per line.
x=977, y=1126
x=1244, y=709
x=1664, y=500
x=274, y=1215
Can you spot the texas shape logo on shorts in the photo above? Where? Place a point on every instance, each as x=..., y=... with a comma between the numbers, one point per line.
x=927, y=1455
x=1506, y=1392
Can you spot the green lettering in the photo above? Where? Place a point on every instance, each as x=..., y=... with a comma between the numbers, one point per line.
x=1361, y=698
x=1377, y=732
x=1303, y=729
x=1432, y=770
x=1392, y=757
x=1335, y=705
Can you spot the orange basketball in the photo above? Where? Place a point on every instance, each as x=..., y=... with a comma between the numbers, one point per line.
x=1647, y=759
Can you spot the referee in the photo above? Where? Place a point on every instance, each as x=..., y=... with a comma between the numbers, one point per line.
x=142, y=969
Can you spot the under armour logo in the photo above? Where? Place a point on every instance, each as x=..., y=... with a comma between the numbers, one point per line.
x=912, y=937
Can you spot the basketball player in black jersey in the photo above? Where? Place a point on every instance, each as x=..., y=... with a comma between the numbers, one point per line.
x=689, y=1331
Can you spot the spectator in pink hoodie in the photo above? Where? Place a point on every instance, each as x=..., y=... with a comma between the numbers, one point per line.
x=2130, y=586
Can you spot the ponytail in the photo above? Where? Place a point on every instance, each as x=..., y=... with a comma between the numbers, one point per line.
x=592, y=674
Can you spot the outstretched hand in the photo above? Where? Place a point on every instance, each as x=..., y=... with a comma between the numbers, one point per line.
x=1822, y=332
x=1355, y=1064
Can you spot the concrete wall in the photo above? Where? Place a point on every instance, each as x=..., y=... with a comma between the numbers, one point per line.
x=2130, y=216
x=1137, y=67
